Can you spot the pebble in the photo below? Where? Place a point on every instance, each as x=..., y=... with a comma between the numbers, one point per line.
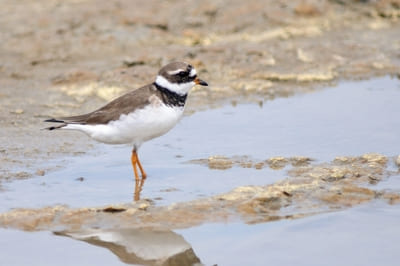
x=18, y=111
x=398, y=161
x=40, y=172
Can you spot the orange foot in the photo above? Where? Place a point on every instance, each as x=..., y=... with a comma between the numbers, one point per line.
x=135, y=163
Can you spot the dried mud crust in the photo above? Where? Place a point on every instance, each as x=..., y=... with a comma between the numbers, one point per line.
x=73, y=56
x=308, y=190
x=279, y=162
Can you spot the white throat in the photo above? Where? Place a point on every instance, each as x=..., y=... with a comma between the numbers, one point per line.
x=181, y=89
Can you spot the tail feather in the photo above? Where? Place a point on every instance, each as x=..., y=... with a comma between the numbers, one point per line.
x=53, y=127
x=53, y=120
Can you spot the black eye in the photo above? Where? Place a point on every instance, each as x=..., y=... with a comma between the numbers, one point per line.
x=182, y=74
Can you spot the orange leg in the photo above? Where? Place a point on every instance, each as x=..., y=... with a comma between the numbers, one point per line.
x=135, y=163
x=141, y=168
x=134, y=160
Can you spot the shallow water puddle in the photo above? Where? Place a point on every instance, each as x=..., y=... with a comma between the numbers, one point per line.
x=365, y=235
x=109, y=179
x=44, y=249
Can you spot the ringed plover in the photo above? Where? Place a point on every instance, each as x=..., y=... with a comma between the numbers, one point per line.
x=139, y=115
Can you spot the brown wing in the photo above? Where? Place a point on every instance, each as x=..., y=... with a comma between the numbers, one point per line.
x=124, y=104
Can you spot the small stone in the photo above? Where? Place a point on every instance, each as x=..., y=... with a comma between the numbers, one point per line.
x=171, y=189
x=113, y=209
x=18, y=111
x=343, y=160
x=378, y=65
x=300, y=161
x=398, y=161
x=143, y=206
x=306, y=9
x=392, y=198
x=269, y=61
x=131, y=211
x=22, y=175
x=129, y=62
x=40, y=172
x=378, y=24
x=246, y=164
x=277, y=162
x=374, y=158
x=336, y=175
x=259, y=165
x=303, y=56
x=219, y=162
x=74, y=76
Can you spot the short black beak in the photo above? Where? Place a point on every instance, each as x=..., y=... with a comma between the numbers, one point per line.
x=200, y=82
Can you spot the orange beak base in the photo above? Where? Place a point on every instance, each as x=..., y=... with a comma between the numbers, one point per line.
x=200, y=82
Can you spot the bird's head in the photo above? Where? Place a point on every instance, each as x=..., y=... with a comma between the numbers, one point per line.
x=178, y=77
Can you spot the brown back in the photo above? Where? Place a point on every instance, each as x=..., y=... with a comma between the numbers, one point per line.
x=124, y=104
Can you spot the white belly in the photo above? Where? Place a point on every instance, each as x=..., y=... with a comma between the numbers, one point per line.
x=137, y=127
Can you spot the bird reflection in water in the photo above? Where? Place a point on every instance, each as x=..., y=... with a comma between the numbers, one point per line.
x=138, y=188
x=144, y=246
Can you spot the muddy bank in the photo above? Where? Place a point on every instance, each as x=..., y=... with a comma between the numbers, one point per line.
x=74, y=56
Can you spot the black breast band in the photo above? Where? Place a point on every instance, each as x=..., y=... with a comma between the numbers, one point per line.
x=171, y=98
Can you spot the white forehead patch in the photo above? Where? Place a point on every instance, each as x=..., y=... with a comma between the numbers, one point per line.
x=174, y=72
x=181, y=89
x=192, y=72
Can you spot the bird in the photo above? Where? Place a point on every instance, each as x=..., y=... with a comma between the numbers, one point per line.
x=139, y=115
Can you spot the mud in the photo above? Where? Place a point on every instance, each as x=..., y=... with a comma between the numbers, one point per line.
x=222, y=162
